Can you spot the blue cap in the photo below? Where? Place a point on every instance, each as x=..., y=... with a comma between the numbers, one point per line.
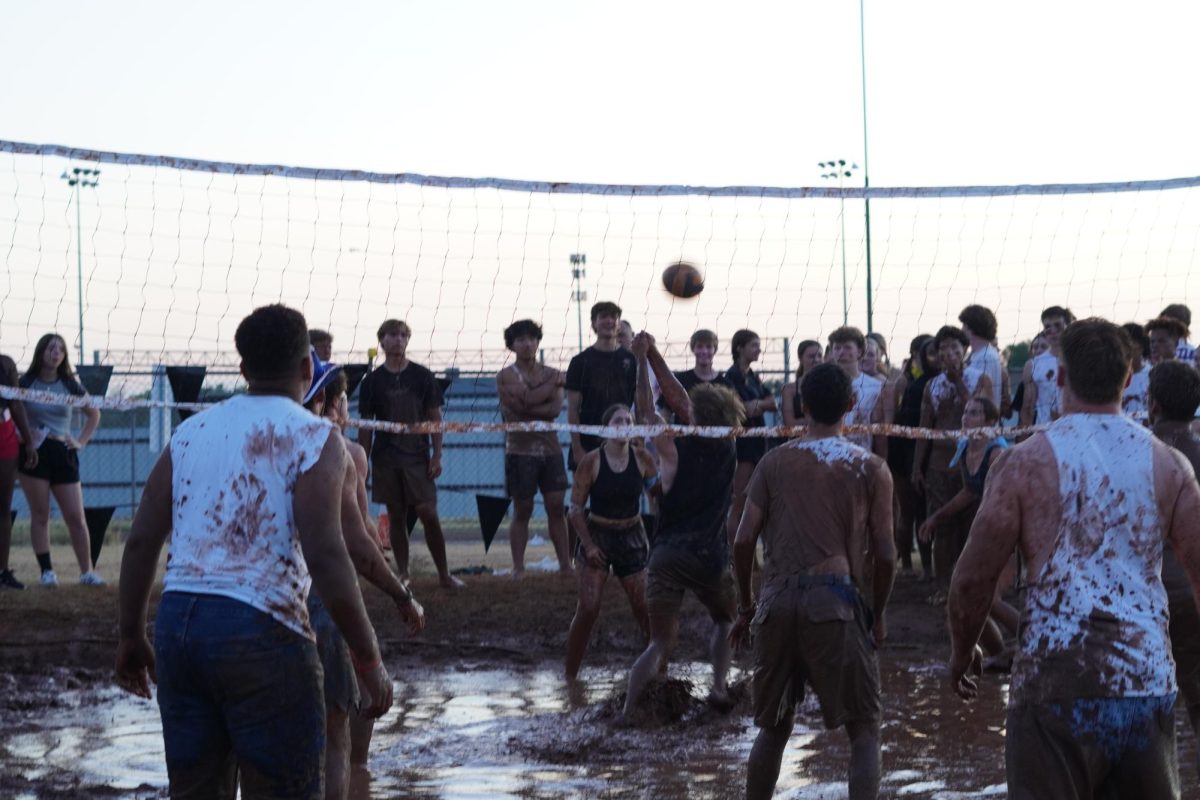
x=322, y=374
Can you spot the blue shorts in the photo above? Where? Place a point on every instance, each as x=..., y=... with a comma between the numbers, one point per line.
x=237, y=691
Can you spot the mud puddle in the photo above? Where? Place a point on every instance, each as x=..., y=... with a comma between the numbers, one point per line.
x=472, y=730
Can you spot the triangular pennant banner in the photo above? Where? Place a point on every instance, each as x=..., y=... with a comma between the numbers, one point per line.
x=354, y=374
x=491, y=514
x=411, y=520
x=185, y=386
x=97, y=519
x=444, y=385
x=95, y=378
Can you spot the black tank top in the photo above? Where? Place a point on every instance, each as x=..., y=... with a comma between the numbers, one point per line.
x=617, y=495
x=975, y=482
x=693, y=513
x=798, y=403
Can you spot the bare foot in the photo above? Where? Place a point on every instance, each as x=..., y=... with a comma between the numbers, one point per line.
x=517, y=574
x=451, y=582
x=721, y=700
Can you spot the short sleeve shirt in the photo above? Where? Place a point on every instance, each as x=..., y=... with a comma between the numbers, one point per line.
x=749, y=387
x=54, y=419
x=602, y=378
x=407, y=396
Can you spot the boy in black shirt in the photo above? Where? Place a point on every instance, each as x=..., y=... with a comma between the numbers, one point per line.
x=601, y=376
x=403, y=470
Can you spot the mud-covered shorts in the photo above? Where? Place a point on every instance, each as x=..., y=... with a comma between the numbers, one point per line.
x=674, y=570
x=626, y=549
x=407, y=483
x=526, y=475
x=1092, y=747
x=341, y=687
x=811, y=630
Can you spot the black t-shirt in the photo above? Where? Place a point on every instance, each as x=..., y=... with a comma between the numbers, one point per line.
x=405, y=396
x=692, y=515
x=749, y=387
x=688, y=379
x=602, y=379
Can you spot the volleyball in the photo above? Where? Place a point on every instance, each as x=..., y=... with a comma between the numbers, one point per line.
x=683, y=280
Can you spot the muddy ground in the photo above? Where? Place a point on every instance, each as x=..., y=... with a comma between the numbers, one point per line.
x=57, y=649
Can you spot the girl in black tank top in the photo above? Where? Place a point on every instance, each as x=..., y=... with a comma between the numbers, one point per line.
x=809, y=354
x=611, y=537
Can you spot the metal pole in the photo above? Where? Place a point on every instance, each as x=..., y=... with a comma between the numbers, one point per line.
x=862, y=49
x=845, y=291
x=79, y=265
x=787, y=359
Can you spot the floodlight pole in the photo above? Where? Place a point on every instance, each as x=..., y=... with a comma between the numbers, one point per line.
x=76, y=178
x=839, y=169
x=578, y=262
x=862, y=49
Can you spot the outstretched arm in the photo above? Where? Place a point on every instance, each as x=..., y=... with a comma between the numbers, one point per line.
x=883, y=545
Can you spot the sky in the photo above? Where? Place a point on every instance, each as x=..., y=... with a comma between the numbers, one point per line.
x=617, y=92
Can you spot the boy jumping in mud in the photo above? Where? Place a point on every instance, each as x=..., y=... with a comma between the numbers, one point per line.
x=811, y=625
x=1089, y=502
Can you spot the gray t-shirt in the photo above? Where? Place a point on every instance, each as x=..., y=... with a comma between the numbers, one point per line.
x=54, y=419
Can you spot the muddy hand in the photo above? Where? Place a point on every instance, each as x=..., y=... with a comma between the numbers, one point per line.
x=135, y=666
x=378, y=684
x=739, y=634
x=412, y=615
x=964, y=677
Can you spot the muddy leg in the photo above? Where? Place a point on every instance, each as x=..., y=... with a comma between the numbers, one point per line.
x=398, y=520
x=720, y=654
x=556, y=522
x=664, y=628
x=635, y=590
x=762, y=771
x=337, y=753
x=518, y=532
x=864, y=760
x=591, y=590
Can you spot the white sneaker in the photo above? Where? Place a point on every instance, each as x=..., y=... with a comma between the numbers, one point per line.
x=49, y=578
x=90, y=579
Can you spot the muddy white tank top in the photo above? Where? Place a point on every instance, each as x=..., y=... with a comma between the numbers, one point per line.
x=866, y=397
x=941, y=389
x=234, y=470
x=1045, y=376
x=1095, y=621
x=1136, y=399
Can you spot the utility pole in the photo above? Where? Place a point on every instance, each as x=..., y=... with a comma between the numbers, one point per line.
x=838, y=170
x=76, y=178
x=578, y=272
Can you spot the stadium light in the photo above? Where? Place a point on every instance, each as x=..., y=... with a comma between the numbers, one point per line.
x=838, y=170
x=77, y=178
x=578, y=271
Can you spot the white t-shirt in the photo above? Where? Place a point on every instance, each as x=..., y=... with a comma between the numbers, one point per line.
x=987, y=361
x=1045, y=376
x=234, y=470
x=1185, y=352
x=866, y=396
x=1136, y=399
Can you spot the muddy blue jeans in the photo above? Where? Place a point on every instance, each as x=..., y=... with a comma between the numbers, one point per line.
x=238, y=692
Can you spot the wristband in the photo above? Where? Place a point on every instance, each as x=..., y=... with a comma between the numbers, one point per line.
x=363, y=669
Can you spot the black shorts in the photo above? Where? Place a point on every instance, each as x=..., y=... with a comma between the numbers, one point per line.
x=751, y=449
x=408, y=484
x=626, y=549
x=674, y=570
x=57, y=463
x=526, y=475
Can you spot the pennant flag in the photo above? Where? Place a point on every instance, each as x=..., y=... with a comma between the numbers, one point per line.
x=491, y=514
x=354, y=374
x=185, y=386
x=95, y=378
x=444, y=385
x=97, y=518
x=412, y=520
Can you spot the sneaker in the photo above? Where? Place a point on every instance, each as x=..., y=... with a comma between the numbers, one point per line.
x=49, y=578
x=90, y=579
x=9, y=581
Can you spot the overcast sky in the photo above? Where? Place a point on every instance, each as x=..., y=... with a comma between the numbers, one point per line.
x=640, y=92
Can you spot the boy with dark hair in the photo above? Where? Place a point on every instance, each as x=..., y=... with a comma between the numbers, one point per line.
x=249, y=492
x=323, y=342
x=1090, y=502
x=847, y=344
x=1136, y=400
x=402, y=467
x=1185, y=352
x=813, y=625
x=1041, y=403
x=703, y=345
x=1165, y=335
x=979, y=324
x=599, y=377
x=532, y=392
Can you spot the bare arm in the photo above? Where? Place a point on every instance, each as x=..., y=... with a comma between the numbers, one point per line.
x=744, y=543
x=1183, y=533
x=994, y=535
x=671, y=390
x=574, y=401
x=984, y=387
x=21, y=420
x=879, y=442
x=585, y=475
x=139, y=565
x=881, y=534
x=91, y=421
x=435, y=461
x=789, y=405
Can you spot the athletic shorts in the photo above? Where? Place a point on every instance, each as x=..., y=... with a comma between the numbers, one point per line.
x=814, y=635
x=626, y=549
x=675, y=570
x=405, y=484
x=57, y=463
x=1095, y=747
x=341, y=687
x=10, y=445
x=526, y=475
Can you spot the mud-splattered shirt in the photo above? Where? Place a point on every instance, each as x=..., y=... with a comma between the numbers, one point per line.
x=1095, y=621
x=234, y=470
x=867, y=390
x=1136, y=399
x=1044, y=371
x=815, y=496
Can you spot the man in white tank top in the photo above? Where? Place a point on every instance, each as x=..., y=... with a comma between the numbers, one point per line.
x=1090, y=503
x=250, y=493
x=1042, y=402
